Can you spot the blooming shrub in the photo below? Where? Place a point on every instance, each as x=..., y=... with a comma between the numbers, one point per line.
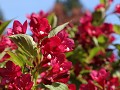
x=31, y=62
x=65, y=57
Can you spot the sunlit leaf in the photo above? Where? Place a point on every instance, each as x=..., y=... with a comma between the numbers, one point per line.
x=117, y=46
x=95, y=41
x=98, y=18
x=92, y=53
x=25, y=43
x=3, y=26
x=117, y=29
x=24, y=59
x=101, y=39
x=52, y=20
x=102, y=1
x=16, y=59
x=57, y=86
x=57, y=29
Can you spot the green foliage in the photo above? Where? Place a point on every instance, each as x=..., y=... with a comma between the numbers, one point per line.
x=102, y=1
x=93, y=52
x=95, y=41
x=52, y=20
x=3, y=26
x=57, y=86
x=117, y=29
x=16, y=59
x=98, y=17
x=102, y=39
x=106, y=3
x=25, y=44
x=57, y=29
x=72, y=31
x=117, y=46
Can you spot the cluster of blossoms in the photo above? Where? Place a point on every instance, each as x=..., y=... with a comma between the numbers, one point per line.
x=88, y=33
x=12, y=77
x=92, y=52
x=52, y=65
x=101, y=80
x=45, y=57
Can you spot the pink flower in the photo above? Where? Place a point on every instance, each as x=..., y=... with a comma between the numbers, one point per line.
x=18, y=28
x=72, y=87
x=100, y=7
x=89, y=86
x=100, y=76
x=103, y=79
x=58, y=72
x=5, y=42
x=56, y=45
x=41, y=14
x=107, y=28
x=21, y=83
x=39, y=27
x=117, y=9
x=9, y=73
x=86, y=18
x=5, y=57
x=113, y=84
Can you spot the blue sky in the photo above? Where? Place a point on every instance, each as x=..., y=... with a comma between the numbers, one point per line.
x=19, y=8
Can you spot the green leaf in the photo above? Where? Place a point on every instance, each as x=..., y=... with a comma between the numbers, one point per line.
x=98, y=85
x=57, y=29
x=26, y=44
x=95, y=41
x=69, y=54
x=93, y=52
x=52, y=20
x=117, y=46
x=102, y=1
x=24, y=59
x=117, y=29
x=3, y=26
x=106, y=3
x=15, y=59
x=98, y=18
x=101, y=39
x=57, y=86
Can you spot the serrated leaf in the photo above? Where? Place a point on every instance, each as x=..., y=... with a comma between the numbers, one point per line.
x=116, y=29
x=57, y=29
x=57, y=86
x=52, y=20
x=15, y=59
x=25, y=43
x=3, y=26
